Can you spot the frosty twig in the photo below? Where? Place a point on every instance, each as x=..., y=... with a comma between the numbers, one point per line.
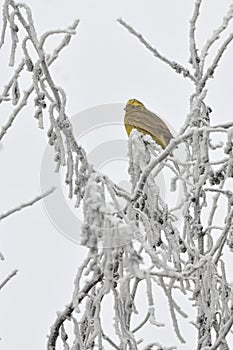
x=27, y=204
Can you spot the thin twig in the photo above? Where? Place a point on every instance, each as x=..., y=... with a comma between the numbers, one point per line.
x=175, y=66
x=195, y=60
x=8, y=278
x=4, y=95
x=211, y=69
x=141, y=324
x=215, y=36
x=28, y=204
x=109, y=340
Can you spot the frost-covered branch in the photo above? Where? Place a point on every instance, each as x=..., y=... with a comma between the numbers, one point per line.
x=174, y=65
x=67, y=313
x=184, y=256
x=194, y=58
x=27, y=61
x=215, y=36
x=27, y=204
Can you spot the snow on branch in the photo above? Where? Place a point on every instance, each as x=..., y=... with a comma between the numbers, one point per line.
x=176, y=66
x=143, y=243
x=194, y=58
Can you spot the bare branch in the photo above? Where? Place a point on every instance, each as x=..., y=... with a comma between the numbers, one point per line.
x=8, y=278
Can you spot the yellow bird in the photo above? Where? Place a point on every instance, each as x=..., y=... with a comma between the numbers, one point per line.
x=137, y=116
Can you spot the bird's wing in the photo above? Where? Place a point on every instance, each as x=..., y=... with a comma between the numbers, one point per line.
x=149, y=122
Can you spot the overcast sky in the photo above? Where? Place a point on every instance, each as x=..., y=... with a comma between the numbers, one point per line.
x=103, y=66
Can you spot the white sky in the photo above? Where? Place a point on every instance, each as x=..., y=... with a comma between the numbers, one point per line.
x=103, y=65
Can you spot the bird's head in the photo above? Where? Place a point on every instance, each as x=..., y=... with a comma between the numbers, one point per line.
x=133, y=103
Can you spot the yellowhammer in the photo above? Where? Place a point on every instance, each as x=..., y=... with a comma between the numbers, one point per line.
x=137, y=116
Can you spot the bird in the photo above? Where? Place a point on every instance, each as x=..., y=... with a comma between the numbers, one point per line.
x=137, y=116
